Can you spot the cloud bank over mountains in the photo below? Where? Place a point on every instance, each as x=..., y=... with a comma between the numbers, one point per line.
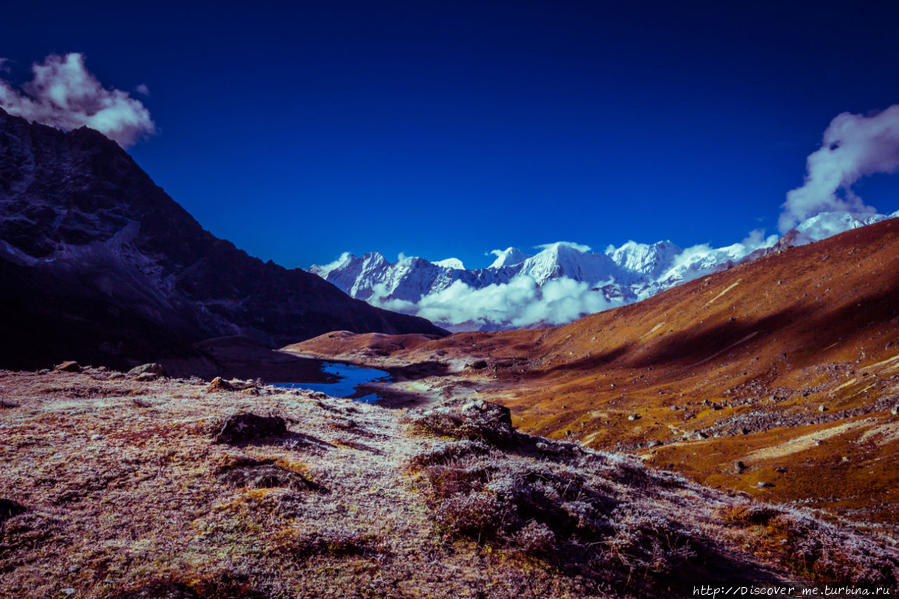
x=518, y=303
x=853, y=146
x=64, y=94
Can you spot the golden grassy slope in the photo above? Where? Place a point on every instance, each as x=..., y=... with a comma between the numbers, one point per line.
x=735, y=366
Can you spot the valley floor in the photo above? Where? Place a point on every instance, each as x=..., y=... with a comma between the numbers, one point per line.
x=112, y=487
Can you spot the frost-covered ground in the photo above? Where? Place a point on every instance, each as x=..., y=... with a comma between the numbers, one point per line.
x=113, y=487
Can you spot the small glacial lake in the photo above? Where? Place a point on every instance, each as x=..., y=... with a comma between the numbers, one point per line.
x=349, y=378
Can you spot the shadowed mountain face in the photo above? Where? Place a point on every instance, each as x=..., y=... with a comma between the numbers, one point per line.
x=97, y=263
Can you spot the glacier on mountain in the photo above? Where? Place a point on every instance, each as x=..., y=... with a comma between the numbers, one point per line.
x=559, y=283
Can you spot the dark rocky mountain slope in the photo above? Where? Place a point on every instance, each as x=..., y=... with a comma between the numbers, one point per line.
x=98, y=263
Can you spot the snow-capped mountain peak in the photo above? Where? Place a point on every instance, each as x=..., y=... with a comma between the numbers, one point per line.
x=453, y=263
x=563, y=278
x=567, y=260
x=826, y=224
x=650, y=259
x=508, y=257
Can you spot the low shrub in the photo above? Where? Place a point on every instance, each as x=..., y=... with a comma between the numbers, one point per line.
x=747, y=514
x=335, y=543
x=820, y=551
x=263, y=474
x=520, y=505
x=467, y=419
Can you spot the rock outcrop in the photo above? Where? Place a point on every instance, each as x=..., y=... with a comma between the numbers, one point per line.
x=244, y=428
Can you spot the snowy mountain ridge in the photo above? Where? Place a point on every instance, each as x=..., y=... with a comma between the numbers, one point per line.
x=559, y=283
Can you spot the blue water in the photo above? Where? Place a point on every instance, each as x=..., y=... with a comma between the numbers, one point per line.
x=350, y=377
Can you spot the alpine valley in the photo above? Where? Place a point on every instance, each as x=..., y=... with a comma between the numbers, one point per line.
x=735, y=424
x=561, y=282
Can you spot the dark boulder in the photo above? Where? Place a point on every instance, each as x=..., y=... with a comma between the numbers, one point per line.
x=244, y=428
x=146, y=371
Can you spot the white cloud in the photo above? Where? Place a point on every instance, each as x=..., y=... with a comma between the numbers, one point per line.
x=518, y=303
x=853, y=146
x=63, y=94
x=142, y=89
x=757, y=240
x=577, y=246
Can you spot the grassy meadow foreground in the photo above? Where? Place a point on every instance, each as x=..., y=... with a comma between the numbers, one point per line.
x=127, y=486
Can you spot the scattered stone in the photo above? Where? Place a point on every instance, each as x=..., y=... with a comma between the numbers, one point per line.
x=153, y=370
x=634, y=417
x=781, y=469
x=895, y=410
x=243, y=428
x=68, y=366
x=44, y=371
x=9, y=508
x=5, y=403
x=219, y=384
x=699, y=435
x=822, y=408
x=739, y=467
x=479, y=365
x=763, y=484
x=68, y=592
x=845, y=459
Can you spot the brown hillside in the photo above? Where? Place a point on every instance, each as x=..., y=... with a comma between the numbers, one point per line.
x=789, y=364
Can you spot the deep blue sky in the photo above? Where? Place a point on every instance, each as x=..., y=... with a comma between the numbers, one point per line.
x=298, y=130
